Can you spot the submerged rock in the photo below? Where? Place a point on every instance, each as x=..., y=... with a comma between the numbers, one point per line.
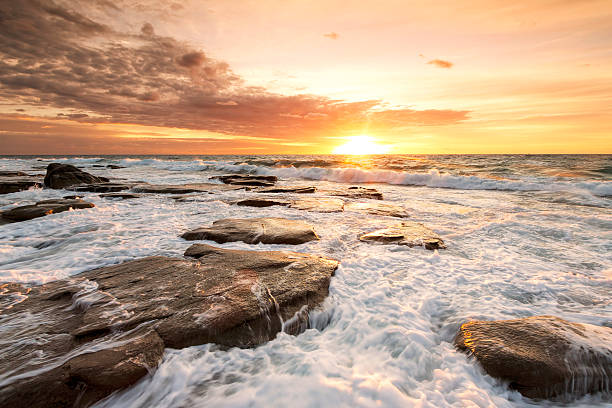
x=42, y=208
x=356, y=192
x=254, y=231
x=183, y=188
x=542, y=356
x=123, y=196
x=406, y=233
x=247, y=180
x=318, y=204
x=74, y=341
x=378, y=208
x=101, y=187
x=66, y=175
x=288, y=189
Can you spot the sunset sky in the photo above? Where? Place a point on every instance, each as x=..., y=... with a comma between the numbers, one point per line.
x=261, y=77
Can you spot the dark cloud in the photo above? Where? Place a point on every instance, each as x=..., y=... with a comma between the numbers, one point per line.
x=53, y=57
x=191, y=59
x=332, y=36
x=147, y=29
x=440, y=63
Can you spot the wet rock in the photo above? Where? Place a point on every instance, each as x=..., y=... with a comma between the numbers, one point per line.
x=288, y=189
x=101, y=187
x=356, y=192
x=13, y=174
x=261, y=202
x=542, y=356
x=318, y=204
x=123, y=196
x=279, y=284
x=42, y=208
x=77, y=340
x=254, y=231
x=406, y=233
x=44, y=365
x=13, y=182
x=66, y=175
x=378, y=208
x=183, y=188
x=247, y=180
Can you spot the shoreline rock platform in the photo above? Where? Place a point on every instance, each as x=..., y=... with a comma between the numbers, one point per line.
x=103, y=330
x=254, y=231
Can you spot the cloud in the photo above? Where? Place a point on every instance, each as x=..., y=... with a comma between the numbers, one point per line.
x=332, y=35
x=440, y=63
x=191, y=59
x=147, y=29
x=55, y=58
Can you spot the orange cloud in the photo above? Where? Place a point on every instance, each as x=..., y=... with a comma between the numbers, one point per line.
x=332, y=35
x=441, y=63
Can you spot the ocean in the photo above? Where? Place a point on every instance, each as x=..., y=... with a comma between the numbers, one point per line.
x=525, y=234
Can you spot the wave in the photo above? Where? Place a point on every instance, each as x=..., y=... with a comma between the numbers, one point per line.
x=433, y=178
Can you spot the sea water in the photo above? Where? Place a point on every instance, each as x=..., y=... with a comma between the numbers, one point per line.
x=526, y=235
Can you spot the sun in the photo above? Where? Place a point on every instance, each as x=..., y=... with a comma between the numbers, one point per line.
x=361, y=144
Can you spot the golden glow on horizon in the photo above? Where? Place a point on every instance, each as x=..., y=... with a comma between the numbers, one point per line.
x=360, y=145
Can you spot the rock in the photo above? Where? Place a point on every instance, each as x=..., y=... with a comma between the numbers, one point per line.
x=356, y=192
x=406, y=233
x=42, y=208
x=247, y=180
x=254, y=231
x=288, y=189
x=66, y=175
x=114, y=166
x=378, y=208
x=44, y=365
x=261, y=202
x=101, y=187
x=278, y=284
x=318, y=204
x=13, y=182
x=73, y=342
x=324, y=205
x=123, y=196
x=542, y=356
x=13, y=174
x=183, y=188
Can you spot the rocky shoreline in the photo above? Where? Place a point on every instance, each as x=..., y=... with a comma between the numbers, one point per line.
x=105, y=329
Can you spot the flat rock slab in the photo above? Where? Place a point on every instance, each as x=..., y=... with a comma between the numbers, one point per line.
x=377, y=208
x=14, y=183
x=65, y=175
x=318, y=204
x=542, y=356
x=75, y=341
x=247, y=180
x=101, y=187
x=184, y=188
x=356, y=193
x=261, y=202
x=405, y=233
x=254, y=231
x=123, y=196
x=42, y=208
x=288, y=189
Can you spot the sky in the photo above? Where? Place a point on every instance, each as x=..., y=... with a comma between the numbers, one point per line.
x=305, y=77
